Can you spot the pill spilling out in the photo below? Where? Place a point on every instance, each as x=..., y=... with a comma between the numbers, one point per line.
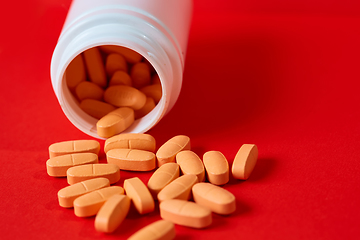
x=162, y=177
x=115, y=121
x=68, y=194
x=89, y=171
x=167, y=152
x=217, y=199
x=77, y=146
x=117, y=77
x=57, y=166
x=132, y=159
x=139, y=141
x=190, y=163
x=185, y=213
x=112, y=213
x=245, y=161
x=187, y=188
x=161, y=229
x=139, y=195
x=180, y=188
x=217, y=167
x=89, y=204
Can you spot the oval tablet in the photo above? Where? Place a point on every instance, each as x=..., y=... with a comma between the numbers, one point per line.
x=132, y=159
x=140, y=75
x=68, y=194
x=190, y=163
x=161, y=229
x=90, y=203
x=112, y=213
x=139, y=194
x=95, y=66
x=139, y=141
x=180, y=188
x=125, y=96
x=76, y=146
x=148, y=107
x=57, y=166
x=120, y=78
x=244, y=161
x=115, y=62
x=185, y=213
x=89, y=90
x=95, y=108
x=167, y=152
x=216, y=198
x=89, y=171
x=130, y=55
x=153, y=91
x=75, y=72
x=217, y=167
x=115, y=122
x=162, y=177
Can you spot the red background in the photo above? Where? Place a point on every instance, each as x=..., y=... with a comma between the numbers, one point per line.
x=281, y=74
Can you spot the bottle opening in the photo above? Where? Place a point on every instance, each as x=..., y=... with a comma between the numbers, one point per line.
x=111, y=89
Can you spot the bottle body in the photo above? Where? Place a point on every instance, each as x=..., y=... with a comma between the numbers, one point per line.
x=157, y=30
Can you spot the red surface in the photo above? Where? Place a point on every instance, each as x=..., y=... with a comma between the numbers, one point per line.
x=281, y=74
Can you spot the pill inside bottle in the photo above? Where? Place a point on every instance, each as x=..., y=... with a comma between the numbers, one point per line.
x=117, y=77
x=112, y=43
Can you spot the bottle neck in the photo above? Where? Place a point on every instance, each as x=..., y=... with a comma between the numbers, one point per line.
x=104, y=28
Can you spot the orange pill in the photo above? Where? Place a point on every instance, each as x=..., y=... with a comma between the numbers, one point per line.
x=190, y=163
x=57, y=166
x=132, y=159
x=75, y=146
x=75, y=72
x=180, y=188
x=112, y=213
x=185, y=213
x=216, y=198
x=89, y=171
x=167, y=152
x=89, y=90
x=120, y=78
x=217, y=167
x=244, y=161
x=89, y=204
x=162, y=177
x=115, y=62
x=140, y=75
x=129, y=55
x=148, y=107
x=139, y=194
x=125, y=96
x=67, y=195
x=141, y=141
x=153, y=91
x=115, y=122
x=95, y=108
x=161, y=229
x=95, y=67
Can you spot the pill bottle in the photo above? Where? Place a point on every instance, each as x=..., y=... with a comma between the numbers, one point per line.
x=156, y=29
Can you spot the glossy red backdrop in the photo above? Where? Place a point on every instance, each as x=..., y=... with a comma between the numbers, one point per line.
x=281, y=74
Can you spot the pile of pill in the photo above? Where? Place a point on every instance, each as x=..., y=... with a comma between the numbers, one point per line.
x=115, y=85
x=186, y=187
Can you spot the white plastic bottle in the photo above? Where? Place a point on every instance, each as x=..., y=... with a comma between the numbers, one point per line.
x=156, y=29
